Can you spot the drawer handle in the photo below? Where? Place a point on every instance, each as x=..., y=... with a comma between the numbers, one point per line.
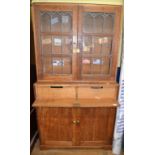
x=56, y=86
x=97, y=87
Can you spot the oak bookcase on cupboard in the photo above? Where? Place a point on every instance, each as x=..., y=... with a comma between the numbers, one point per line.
x=76, y=50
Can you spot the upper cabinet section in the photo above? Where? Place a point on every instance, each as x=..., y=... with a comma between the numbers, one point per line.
x=76, y=42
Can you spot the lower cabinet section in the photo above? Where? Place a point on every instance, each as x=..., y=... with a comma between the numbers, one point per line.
x=76, y=127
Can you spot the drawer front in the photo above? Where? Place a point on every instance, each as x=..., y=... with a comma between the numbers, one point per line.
x=98, y=92
x=55, y=92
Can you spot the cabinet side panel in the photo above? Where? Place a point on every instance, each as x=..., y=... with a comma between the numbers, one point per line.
x=36, y=26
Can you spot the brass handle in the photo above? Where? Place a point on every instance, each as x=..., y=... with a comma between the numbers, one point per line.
x=76, y=122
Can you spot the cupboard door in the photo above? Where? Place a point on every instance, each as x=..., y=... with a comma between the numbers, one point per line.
x=55, y=126
x=55, y=32
x=96, y=126
x=99, y=30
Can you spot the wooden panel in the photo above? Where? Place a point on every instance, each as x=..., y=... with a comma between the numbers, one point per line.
x=55, y=92
x=54, y=103
x=96, y=126
x=97, y=92
x=55, y=126
x=106, y=147
x=74, y=103
x=97, y=103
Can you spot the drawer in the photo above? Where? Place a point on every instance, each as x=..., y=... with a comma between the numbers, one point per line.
x=55, y=91
x=98, y=92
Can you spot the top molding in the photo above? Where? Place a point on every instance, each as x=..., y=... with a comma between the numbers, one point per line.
x=110, y=2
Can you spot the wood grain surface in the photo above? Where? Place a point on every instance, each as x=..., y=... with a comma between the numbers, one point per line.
x=37, y=151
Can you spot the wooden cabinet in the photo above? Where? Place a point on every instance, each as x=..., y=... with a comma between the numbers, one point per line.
x=75, y=127
x=76, y=42
x=76, y=49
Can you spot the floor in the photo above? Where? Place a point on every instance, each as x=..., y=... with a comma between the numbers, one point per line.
x=37, y=151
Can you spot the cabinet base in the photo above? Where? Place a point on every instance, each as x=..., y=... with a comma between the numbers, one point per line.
x=46, y=147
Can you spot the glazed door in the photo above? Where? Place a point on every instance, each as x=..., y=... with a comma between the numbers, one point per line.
x=55, y=29
x=98, y=41
x=76, y=42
